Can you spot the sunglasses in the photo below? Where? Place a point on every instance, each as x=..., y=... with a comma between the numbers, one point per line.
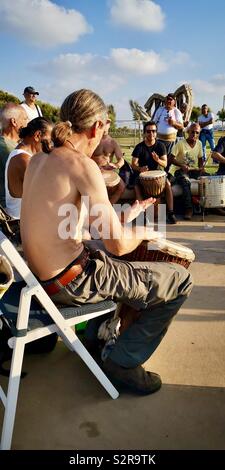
x=195, y=132
x=150, y=130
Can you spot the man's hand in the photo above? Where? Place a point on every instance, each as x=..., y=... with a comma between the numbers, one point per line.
x=185, y=168
x=143, y=168
x=110, y=166
x=171, y=122
x=139, y=206
x=155, y=157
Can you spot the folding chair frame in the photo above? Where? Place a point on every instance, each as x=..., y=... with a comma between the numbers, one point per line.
x=60, y=325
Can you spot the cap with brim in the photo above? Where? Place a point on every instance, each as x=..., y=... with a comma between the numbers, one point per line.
x=171, y=95
x=31, y=90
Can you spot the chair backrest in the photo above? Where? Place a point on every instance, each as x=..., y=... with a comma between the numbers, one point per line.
x=17, y=261
x=58, y=321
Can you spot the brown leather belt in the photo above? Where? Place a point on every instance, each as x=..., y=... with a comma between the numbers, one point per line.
x=62, y=279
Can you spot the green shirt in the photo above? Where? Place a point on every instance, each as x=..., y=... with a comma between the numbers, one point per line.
x=186, y=155
x=6, y=146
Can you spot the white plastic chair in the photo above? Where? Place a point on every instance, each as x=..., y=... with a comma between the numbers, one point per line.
x=32, y=324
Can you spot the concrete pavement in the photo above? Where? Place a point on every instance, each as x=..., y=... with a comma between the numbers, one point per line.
x=62, y=406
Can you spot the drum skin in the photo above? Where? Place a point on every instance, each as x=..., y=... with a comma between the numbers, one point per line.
x=212, y=191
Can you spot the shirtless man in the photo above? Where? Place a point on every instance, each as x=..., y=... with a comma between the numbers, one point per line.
x=104, y=154
x=69, y=273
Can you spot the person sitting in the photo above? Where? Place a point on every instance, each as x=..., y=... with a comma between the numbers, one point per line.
x=219, y=155
x=150, y=154
x=35, y=137
x=104, y=155
x=13, y=117
x=66, y=178
x=187, y=155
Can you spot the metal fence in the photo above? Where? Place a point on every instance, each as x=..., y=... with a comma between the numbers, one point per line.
x=127, y=132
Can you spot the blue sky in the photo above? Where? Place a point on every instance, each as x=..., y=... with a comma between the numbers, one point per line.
x=122, y=49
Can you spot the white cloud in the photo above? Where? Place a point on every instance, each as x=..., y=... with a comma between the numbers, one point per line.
x=138, y=62
x=181, y=58
x=209, y=91
x=143, y=15
x=110, y=76
x=42, y=22
x=68, y=72
x=220, y=77
x=216, y=85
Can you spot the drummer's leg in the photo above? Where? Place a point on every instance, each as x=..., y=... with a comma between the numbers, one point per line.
x=169, y=202
x=171, y=284
x=138, y=192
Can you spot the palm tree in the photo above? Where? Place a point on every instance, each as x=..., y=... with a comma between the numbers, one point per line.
x=112, y=116
x=139, y=114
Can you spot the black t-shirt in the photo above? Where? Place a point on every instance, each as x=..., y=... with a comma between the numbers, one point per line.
x=144, y=154
x=220, y=148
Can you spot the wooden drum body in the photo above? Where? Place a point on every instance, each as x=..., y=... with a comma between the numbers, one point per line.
x=112, y=181
x=162, y=250
x=212, y=191
x=153, y=182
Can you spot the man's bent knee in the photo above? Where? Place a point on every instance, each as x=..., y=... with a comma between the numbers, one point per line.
x=185, y=283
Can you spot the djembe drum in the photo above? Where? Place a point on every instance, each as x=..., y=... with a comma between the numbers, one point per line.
x=112, y=181
x=161, y=250
x=212, y=191
x=153, y=182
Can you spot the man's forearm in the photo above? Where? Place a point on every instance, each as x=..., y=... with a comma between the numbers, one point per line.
x=217, y=156
x=129, y=240
x=120, y=162
x=178, y=125
x=175, y=162
x=206, y=123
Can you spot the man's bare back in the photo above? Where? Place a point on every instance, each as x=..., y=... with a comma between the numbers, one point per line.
x=51, y=182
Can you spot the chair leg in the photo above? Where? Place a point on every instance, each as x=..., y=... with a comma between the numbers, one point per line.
x=12, y=393
x=69, y=336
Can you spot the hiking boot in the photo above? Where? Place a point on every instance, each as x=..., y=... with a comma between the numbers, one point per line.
x=188, y=214
x=136, y=379
x=171, y=218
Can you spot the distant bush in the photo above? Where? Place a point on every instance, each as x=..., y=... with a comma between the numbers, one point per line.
x=49, y=112
x=7, y=97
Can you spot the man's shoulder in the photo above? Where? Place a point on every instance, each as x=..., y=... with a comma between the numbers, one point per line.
x=139, y=146
x=178, y=113
x=199, y=144
x=159, y=145
x=159, y=110
x=221, y=141
x=6, y=145
x=179, y=146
